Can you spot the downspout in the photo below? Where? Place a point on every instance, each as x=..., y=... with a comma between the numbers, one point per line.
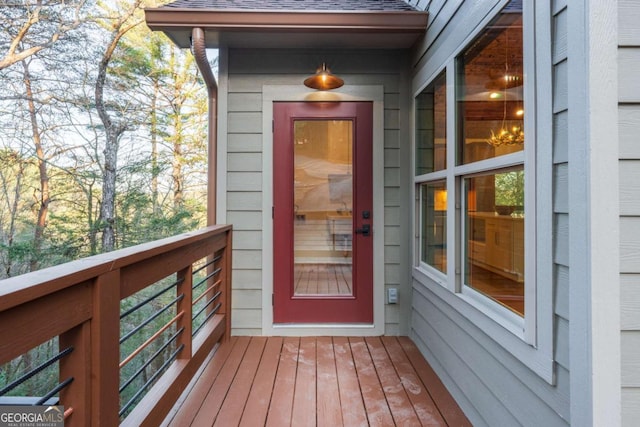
x=198, y=48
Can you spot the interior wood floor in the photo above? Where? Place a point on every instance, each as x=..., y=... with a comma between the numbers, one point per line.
x=322, y=279
x=506, y=291
x=316, y=381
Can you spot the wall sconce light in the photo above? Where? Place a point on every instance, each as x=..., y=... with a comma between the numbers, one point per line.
x=440, y=200
x=323, y=79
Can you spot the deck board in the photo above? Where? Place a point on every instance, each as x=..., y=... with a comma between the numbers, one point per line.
x=218, y=392
x=188, y=408
x=234, y=403
x=282, y=397
x=402, y=410
x=447, y=406
x=353, y=412
x=328, y=400
x=378, y=411
x=317, y=381
x=423, y=404
x=257, y=407
x=304, y=397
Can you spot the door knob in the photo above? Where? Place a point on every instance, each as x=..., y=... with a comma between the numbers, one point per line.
x=365, y=230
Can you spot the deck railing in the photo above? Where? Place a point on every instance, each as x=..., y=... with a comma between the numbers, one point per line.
x=112, y=370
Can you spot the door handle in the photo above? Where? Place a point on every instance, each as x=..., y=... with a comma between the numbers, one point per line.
x=365, y=230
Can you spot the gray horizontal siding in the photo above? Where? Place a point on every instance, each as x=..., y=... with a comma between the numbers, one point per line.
x=493, y=387
x=561, y=187
x=630, y=407
x=467, y=14
x=491, y=378
x=628, y=18
x=248, y=72
x=630, y=302
x=629, y=152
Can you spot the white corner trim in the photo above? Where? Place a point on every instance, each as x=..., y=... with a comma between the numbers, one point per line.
x=291, y=93
x=594, y=220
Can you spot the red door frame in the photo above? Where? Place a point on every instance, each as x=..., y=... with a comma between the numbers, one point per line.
x=356, y=308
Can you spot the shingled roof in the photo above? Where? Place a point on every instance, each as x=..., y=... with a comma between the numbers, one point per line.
x=383, y=24
x=334, y=5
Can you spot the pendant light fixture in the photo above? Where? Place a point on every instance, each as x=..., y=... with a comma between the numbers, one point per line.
x=323, y=79
x=508, y=134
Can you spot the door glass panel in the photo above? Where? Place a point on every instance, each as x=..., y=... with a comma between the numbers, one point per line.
x=323, y=206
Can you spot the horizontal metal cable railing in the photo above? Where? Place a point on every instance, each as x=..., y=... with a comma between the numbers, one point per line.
x=37, y=383
x=206, y=299
x=142, y=328
x=123, y=331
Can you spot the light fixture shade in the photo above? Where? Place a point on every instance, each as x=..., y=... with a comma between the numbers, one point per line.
x=440, y=200
x=323, y=80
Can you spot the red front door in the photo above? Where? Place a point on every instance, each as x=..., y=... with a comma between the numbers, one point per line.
x=323, y=212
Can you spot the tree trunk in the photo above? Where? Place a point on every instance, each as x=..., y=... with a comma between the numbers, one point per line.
x=177, y=171
x=155, y=170
x=93, y=230
x=178, y=101
x=107, y=208
x=13, y=211
x=113, y=132
x=43, y=199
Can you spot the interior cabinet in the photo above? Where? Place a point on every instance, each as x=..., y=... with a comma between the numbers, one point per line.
x=341, y=231
x=499, y=247
x=502, y=250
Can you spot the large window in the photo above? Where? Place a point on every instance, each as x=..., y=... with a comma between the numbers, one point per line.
x=482, y=183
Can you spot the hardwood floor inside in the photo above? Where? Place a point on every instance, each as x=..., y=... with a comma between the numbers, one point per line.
x=316, y=381
x=506, y=291
x=322, y=279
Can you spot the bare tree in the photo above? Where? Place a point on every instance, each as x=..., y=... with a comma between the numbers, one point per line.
x=114, y=127
x=23, y=34
x=181, y=91
x=12, y=172
x=99, y=142
x=42, y=196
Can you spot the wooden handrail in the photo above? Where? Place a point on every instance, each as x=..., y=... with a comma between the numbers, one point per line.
x=79, y=302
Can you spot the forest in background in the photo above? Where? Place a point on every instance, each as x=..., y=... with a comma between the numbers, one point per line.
x=102, y=132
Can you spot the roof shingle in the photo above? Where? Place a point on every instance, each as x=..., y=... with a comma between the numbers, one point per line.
x=333, y=5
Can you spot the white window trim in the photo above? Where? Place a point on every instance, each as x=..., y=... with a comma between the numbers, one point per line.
x=529, y=339
x=375, y=94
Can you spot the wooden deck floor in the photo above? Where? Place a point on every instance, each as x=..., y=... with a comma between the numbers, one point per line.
x=317, y=381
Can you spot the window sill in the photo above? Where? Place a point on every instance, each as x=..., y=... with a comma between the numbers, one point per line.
x=433, y=273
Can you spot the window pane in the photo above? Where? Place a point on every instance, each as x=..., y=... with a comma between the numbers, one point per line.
x=431, y=127
x=490, y=95
x=495, y=237
x=434, y=225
